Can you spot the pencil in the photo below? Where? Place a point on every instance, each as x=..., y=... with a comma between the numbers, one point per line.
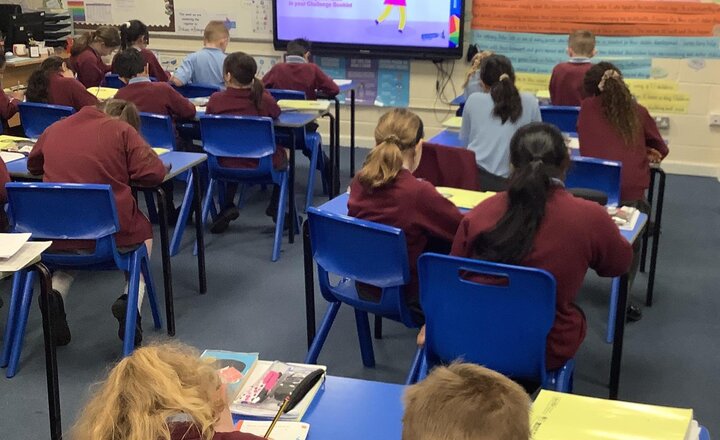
x=277, y=416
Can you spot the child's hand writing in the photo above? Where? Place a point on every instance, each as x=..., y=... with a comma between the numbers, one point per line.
x=654, y=155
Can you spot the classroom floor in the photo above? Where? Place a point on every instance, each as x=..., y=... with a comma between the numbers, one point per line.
x=671, y=357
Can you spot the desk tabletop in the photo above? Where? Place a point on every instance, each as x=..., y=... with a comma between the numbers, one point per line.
x=449, y=138
x=287, y=119
x=459, y=100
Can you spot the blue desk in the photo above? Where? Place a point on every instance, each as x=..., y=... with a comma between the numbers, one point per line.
x=338, y=205
x=459, y=100
x=180, y=162
x=449, y=138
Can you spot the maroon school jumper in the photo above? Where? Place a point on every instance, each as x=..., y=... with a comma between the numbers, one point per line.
x=69, y=92
x=574, y=235
x=599, y=139
x=183, y=431
x=154, y=68
x=8, y=106
x=157, y=97
x=566, y=83
x=89, y=67
x=412, y=205
x=4, y=178
x=301, y=76
x=239, y=102
x=91, y=147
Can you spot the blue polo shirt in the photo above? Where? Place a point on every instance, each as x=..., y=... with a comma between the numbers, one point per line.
x=202, y=67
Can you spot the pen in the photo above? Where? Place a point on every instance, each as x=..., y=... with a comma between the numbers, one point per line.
x=277, y=417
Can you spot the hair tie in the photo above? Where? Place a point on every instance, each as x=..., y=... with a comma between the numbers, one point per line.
x=609, y=74
x=392, y=139
x=504, y=76
x=127, y=24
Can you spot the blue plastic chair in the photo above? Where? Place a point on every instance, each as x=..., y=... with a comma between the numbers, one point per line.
x=563, y=117
x=244, y=137
x=113, y=81
x=502, y=325
x=311, y=147
x=601, y=175
x=42, y=209
x=35, y=117
x=158, y=130
x=358, y=250
x=197, y=90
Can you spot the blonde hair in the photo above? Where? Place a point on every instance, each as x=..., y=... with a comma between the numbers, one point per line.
x=475, y=65
x=398, y=130
x=108, y=35
x=466, y=402
x=147, y=388
x=215, y=31
x=123, y=110
x=582, y=43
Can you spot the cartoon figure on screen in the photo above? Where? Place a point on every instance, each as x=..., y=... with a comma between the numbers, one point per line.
x=400, y=4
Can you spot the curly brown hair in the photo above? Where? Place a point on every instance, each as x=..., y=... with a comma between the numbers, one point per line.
x=618, y=104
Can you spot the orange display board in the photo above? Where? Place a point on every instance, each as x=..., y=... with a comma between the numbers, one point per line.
x=610, y=18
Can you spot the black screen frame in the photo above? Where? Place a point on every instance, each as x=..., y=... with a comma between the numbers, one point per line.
x=379, y=51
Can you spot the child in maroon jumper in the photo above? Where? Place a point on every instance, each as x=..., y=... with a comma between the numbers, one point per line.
x=244, y=96
x=537, y=223
x=134, y=35
x=566, y=82
x=8, y=104
x=385, y=191
x=54, y=83
x=87, y=52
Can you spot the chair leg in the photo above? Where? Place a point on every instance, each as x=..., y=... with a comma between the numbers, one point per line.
x=150, y=287
x=614, y=292
x=378, y=327
x=19, y=332
x=415, y=367
x=282, y=205
x=322, y=333
x=311, y=175
x=132, y=305
x=13, y=311
x=366, y=347
x=206, y=207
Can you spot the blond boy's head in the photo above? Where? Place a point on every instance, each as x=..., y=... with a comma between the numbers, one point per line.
x=466, y=402
x=216, y=35
x=581, y=44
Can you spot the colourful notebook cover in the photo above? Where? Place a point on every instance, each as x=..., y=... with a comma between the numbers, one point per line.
x=233, y=368
x=560, y=416
x=463, y=198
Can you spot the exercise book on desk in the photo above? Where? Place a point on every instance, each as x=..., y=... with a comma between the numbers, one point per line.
x=102, y=93
x=7, y=156
x=28, y=254
x=454, y=123
x=320, y=105
x=561, y=416
x=281, y=431
x=463, y=198
x=233, y=368
x=342, y=82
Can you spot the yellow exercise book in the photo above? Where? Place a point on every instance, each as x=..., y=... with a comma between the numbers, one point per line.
x=454, y=123
x=160, y=151
x=7, y=142
x=463, y=198
x=102, y=93
x=560, y=416
x=298, y=104
x=543, y=94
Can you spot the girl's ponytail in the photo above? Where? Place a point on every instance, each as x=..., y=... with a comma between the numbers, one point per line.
x=257, y=91
x=82, y=42
x=382, y=165
x=497, y=73
x=131, y=31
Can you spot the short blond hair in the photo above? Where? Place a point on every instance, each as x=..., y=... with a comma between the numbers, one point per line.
x=582, y=43
x=466, y=402
x=215, y=31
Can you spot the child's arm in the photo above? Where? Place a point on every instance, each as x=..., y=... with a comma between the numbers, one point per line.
x=183, y=74
x=653, y=139
x=4, y=178
x=144, y=165
x=325, y=84
x=36, y=160
x=180, y=106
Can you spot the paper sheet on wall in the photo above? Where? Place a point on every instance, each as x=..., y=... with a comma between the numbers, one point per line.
x=248, y=19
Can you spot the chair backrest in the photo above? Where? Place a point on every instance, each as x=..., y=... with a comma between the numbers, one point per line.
x=197, y=90
x=237, y=136
x=35, y=117
x=564, y=118
x=363, y=251
x=113, y=81
x=597, y=174
x=62, y=211
x=158, y=130
x=501, y=322
x=279, y=94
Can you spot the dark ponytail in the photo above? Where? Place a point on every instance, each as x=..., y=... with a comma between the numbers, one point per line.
x=496, y=71
x=131, y=31
x=108, y=35
x=538, y=154
x=37, y=89
x=243, y=68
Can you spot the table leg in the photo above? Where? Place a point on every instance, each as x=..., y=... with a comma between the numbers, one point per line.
x=185, y=210
x=291, y=229
x=656, y=237
x=333, y=159
x=619, y=335
x=199, y=230
x=51, y=369
x=352, y=133
x=166, y=264
x=309, y=284
x=646, y=235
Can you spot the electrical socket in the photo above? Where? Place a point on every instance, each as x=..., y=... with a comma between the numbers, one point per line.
x=715, y=119
x=663, y=122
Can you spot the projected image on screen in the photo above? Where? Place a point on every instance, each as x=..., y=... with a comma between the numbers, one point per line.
x=410, y=23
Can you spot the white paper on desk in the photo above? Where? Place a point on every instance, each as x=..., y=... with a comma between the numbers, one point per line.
x=27, y=255
x=343, y=82
x=11, y=243
x=694, y=431
x=281, y=431
x=630, y=225
x=574, y=143
x=7, y=156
